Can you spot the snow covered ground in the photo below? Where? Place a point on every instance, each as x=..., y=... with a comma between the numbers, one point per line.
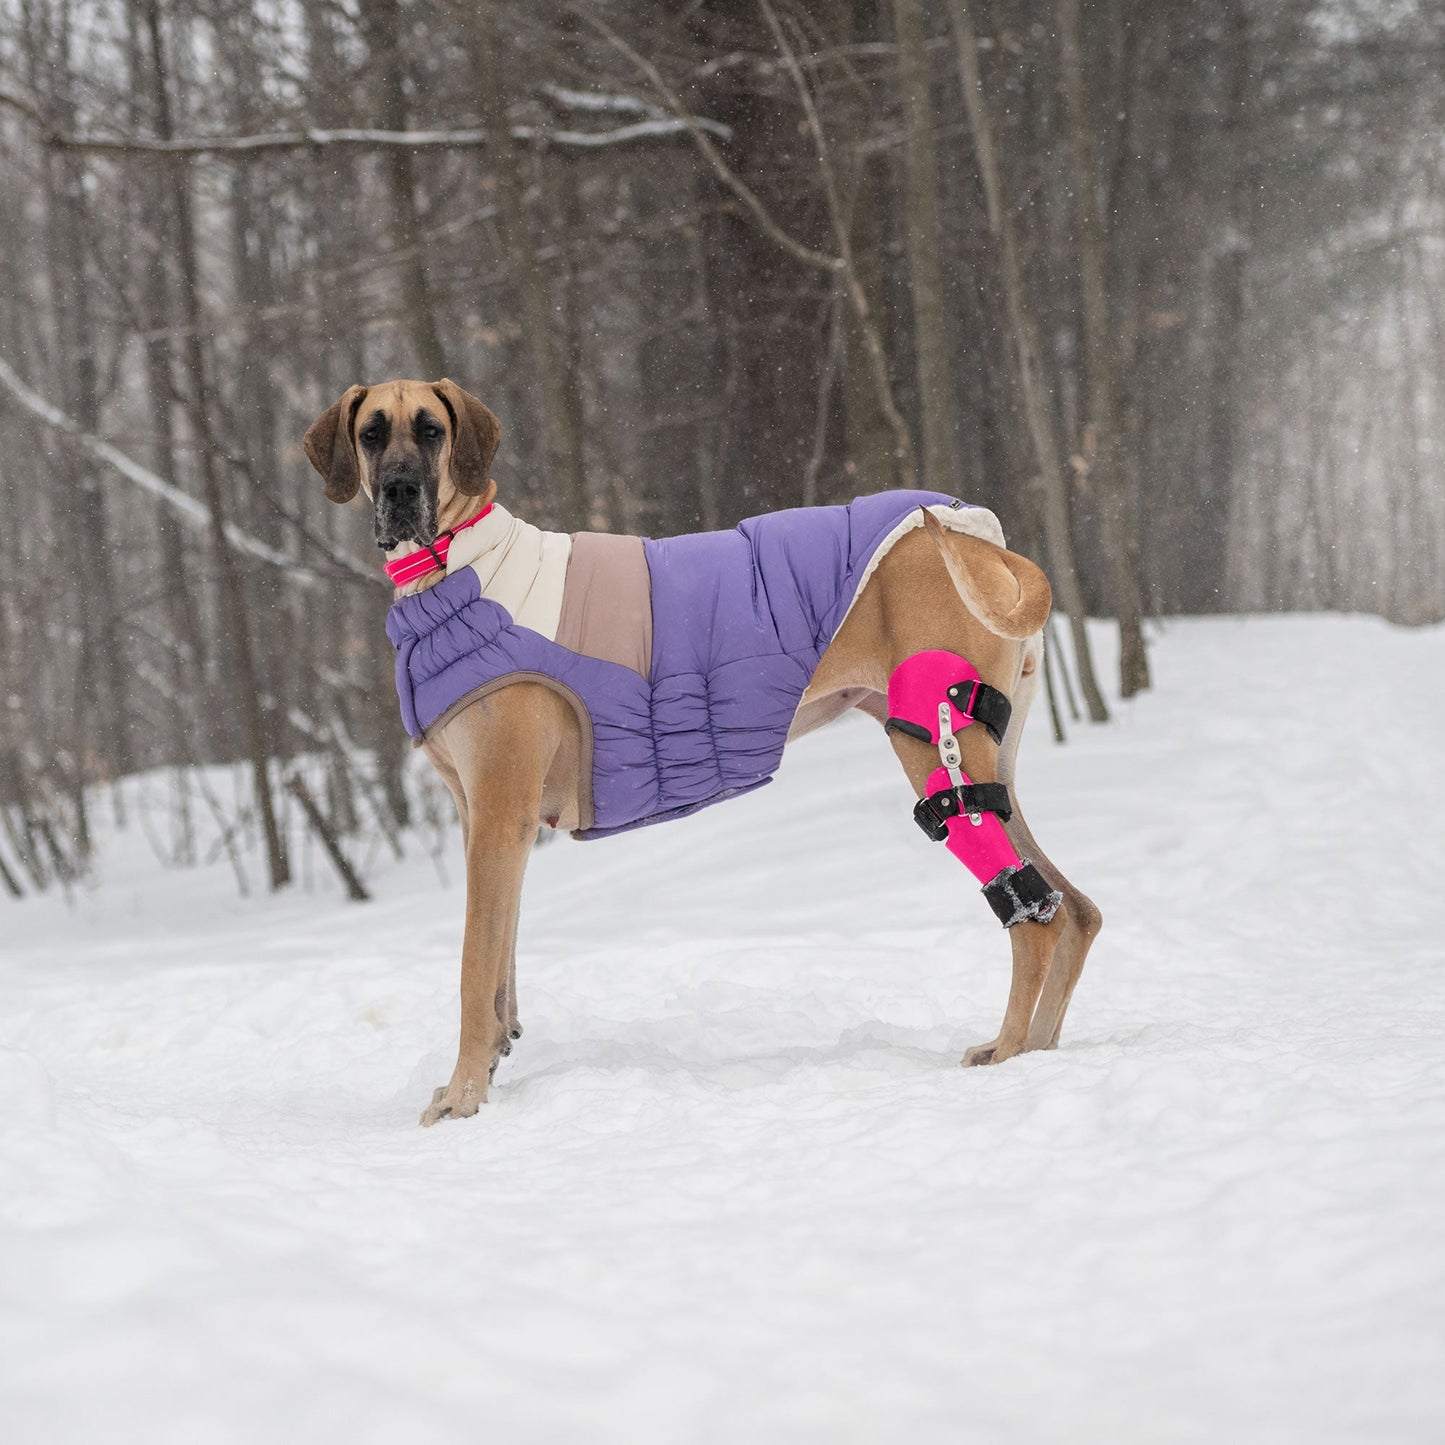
x=733, y=1185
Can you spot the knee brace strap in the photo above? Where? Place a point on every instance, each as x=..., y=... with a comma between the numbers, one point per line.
x=966, y=801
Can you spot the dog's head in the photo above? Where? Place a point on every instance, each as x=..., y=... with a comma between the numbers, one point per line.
x=411, y=446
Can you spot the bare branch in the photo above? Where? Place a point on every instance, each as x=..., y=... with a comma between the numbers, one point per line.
x=658, y=127
x=725, y=173
x=598, y=102
x=186, y=507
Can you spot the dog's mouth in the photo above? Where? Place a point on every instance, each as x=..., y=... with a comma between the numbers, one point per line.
x=388, y=539
x=395, y=525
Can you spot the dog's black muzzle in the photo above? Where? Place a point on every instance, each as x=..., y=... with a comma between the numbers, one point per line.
x=405, y=509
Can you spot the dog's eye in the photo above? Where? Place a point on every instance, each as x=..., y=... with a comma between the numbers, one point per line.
x=432, y=432
x=370, y=435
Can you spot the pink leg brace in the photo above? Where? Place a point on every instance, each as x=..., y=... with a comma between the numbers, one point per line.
x=932, y=696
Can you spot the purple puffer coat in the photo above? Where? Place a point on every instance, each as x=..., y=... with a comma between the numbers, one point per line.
x=740, y=620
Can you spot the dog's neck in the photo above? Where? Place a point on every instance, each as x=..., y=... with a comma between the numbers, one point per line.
x=456, y=512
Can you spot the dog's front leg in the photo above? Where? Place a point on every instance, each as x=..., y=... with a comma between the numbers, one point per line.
x=498, y=756
x=507, y=1002
x=498, y=752
x=497, y=849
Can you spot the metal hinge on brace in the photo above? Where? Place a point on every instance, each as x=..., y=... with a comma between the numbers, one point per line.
x=951, y=756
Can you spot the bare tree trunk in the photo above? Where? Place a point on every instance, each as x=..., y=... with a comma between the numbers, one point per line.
x=1116, y=510
x=391, y=745
x=101, y=716
x=1404, y=585
x=381, y=22
x=566, y=479
x=1181, y=561
x=75, y=371
x=105, y=641
x=11, y=882
x=355, y=888
x=844, y=265
x=1055, y=717
x=1028, y=359
x=335, y=205
x=249, y=417
x=186, y=655
x=1227, y=322
x=569, y=217
x=930, y=307
x=868, y=436
x=233, y=591
x=572, y=352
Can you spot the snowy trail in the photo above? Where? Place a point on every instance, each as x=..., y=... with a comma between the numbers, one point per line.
x=732, y=1184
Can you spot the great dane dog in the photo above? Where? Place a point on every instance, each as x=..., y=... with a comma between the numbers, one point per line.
x=932, y=629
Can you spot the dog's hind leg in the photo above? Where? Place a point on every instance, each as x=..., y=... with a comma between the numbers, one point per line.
x=1034, y=944
x=981, y=610
x=1082, y=918
x=1082, y=922
x=972, y=811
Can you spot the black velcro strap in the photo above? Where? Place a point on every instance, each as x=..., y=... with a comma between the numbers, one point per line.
x=933, y=812
x=909, y=729
x=984, y=704
x=1021, y=894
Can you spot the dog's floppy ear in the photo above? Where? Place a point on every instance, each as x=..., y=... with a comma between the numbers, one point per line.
x=330, y=445
x=476, y=434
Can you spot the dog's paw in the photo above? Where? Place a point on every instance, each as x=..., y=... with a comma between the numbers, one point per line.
x=988, y=1053
x=455, y=1101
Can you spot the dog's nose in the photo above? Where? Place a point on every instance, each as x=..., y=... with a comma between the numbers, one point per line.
x=401, y=489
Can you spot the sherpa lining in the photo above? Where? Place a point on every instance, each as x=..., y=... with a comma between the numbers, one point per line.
x=957, y=517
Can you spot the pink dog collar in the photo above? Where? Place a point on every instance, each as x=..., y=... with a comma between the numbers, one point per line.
x=433, y=556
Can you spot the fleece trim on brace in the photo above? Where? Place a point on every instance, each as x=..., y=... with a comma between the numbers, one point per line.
x=1022, y=895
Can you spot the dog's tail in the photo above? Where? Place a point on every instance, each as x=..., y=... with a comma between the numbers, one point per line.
x=1006, y=592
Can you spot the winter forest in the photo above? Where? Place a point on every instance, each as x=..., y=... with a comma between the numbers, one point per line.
x=1159, y=284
